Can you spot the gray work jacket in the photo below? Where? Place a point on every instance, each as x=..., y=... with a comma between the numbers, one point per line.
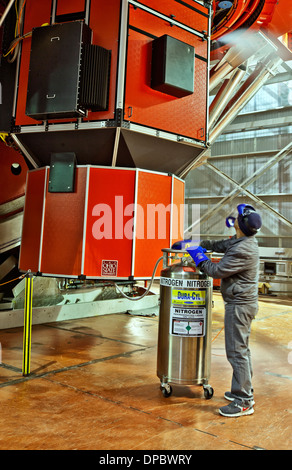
x=238, y=269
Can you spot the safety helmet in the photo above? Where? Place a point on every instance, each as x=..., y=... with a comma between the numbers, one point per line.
x=249, y=221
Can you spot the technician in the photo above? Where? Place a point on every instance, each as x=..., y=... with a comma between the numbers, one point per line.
x=238, y=270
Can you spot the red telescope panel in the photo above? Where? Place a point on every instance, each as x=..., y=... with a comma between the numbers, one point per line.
x=113, y=225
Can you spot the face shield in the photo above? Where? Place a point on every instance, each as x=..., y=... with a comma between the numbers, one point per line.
x=243, y=210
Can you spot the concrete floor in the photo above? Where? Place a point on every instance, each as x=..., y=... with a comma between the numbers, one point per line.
x=94, y=386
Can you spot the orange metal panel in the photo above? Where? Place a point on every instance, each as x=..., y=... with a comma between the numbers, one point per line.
x=108, y=247
x=153, y=25
x=92, y=230
x=186, y=13
x=32, y=221
x=184, y=116
x=64, y=7
x=63, y=229
x=153, y=221
x=277, y=17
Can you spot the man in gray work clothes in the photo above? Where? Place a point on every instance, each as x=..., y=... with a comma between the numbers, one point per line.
x=238, y=270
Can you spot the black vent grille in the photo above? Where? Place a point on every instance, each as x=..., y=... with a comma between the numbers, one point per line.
x=94, y=80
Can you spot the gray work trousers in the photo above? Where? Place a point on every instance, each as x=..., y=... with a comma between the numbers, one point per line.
x=237, y=325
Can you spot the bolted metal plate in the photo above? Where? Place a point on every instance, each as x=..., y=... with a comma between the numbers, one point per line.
x=62, y=172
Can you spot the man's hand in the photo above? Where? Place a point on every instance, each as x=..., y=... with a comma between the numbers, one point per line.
x=197, y=253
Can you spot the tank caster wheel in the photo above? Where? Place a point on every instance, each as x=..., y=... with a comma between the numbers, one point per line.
x=166, y=390
x=208, y=392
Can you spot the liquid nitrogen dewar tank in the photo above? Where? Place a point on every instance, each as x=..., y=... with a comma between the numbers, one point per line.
x=185, y=319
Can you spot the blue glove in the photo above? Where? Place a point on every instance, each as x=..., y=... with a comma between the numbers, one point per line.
x=181, y=244
x=197, y=253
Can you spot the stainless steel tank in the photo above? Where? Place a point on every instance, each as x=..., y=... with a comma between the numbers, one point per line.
x=185, y=319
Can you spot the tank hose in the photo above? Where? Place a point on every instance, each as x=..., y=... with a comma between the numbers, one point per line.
x=16, y=279
x=148, y=289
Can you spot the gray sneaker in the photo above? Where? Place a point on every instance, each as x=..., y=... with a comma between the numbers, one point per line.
x=234, y=410
x=229, y=396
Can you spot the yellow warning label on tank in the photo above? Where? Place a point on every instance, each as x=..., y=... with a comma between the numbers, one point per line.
x=188, y=297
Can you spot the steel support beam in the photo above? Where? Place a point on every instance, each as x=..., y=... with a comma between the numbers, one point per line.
x=224, y=95
x=259, y=201
x=249, y=88
x=241, y=187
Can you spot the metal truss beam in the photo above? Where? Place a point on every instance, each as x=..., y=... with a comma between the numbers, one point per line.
x=242, y=187
x=259, y=201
